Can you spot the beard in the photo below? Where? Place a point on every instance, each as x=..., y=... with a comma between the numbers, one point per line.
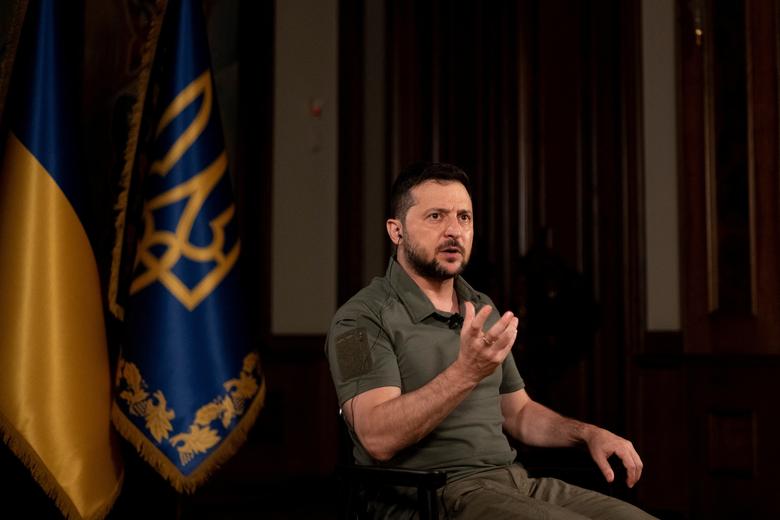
x=433, y=269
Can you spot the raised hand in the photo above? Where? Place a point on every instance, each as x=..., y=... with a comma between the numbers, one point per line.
x=482, y=352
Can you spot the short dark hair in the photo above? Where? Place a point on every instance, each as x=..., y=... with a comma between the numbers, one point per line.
x=417, y=173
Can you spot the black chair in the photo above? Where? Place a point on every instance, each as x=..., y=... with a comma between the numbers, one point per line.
x=572, y=465
x=361, y=481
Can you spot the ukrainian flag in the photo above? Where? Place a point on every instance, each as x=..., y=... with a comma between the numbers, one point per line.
x=55, y=382
x=188, y=382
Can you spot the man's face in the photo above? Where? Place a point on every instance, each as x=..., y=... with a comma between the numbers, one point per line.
x=438, y=230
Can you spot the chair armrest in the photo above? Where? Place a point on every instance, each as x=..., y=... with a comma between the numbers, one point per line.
x=421, y=479
x=426, y=483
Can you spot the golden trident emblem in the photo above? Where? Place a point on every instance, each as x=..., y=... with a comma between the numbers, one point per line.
x=195, y=190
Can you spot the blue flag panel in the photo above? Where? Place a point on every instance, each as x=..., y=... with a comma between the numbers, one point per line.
x=188, y=382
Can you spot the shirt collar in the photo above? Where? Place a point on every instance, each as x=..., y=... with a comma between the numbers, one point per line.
x=417, y=304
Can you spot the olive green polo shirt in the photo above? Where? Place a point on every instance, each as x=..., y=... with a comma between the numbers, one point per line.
x=390, y=334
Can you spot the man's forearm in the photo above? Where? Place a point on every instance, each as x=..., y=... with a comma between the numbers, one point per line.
x=537, y=425
x=394, y=424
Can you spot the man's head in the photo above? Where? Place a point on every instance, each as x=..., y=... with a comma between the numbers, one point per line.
x=432, y=223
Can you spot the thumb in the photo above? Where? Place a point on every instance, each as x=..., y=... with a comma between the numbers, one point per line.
x=606, y=469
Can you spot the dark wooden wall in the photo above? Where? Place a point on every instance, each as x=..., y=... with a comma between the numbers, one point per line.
x=707, y=415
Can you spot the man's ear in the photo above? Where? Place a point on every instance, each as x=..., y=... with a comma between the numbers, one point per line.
x=394, y=230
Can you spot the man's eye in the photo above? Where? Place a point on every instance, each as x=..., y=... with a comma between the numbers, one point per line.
x=434, y=216
x=465, y=217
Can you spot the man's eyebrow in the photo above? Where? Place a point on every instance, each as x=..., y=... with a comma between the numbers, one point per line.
x=448, y=210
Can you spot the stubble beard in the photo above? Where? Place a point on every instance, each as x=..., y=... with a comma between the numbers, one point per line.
x=431, y=269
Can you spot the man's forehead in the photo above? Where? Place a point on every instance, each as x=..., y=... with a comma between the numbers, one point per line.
x=443, y=194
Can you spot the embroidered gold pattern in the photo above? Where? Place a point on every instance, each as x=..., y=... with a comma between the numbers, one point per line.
x=196, y=190
x=245, y=387
x=200, y=437
x=158, y=416
x=201, y=86
x=198, y=440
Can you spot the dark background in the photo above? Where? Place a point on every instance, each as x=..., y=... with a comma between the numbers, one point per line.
x=541, y=102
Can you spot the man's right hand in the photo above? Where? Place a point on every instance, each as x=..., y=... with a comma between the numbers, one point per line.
x=482, y=352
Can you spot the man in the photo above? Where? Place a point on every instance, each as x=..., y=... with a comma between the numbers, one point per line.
x=422, y=368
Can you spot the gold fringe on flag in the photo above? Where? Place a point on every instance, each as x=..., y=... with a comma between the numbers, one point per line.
x=188, y=484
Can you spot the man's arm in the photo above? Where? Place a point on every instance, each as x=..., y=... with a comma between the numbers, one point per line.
x=535, y=425
x=387, y=421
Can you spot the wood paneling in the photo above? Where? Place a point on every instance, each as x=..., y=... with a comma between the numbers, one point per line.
x=730, y=230
x=297, y=435
x=731, y=442
x=662, y=437
x=706, y=430
x=734, y=430
x=706, y=426
x=764, y=30
x=409, y=76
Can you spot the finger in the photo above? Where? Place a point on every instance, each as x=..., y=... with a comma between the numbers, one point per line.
x=631, y=461
x=501, y=326
x=606, y=469
x=507, y=338
x=640, y=466
x=637, y=467
x=505, y=348
x=630, y=465
x=511, y=329
x=479, y=320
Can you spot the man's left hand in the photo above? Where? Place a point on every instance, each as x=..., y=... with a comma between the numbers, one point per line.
x=602, y=444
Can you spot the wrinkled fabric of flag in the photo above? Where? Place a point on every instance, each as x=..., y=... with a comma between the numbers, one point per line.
x=55, y=378
x=188, y=382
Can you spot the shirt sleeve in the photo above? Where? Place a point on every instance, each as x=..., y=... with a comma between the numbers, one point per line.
x=511, y=381
x=360, y=355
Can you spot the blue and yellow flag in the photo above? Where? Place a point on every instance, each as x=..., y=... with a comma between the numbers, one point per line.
x=188, y=382
x=55, y=379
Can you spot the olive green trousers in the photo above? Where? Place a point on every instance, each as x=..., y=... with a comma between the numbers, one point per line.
x=508, y=493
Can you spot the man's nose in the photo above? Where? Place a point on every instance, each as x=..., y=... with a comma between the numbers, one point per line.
x=454, y=228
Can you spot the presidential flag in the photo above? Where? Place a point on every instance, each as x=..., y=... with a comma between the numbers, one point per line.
x=55, y=379
x=188, y=383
